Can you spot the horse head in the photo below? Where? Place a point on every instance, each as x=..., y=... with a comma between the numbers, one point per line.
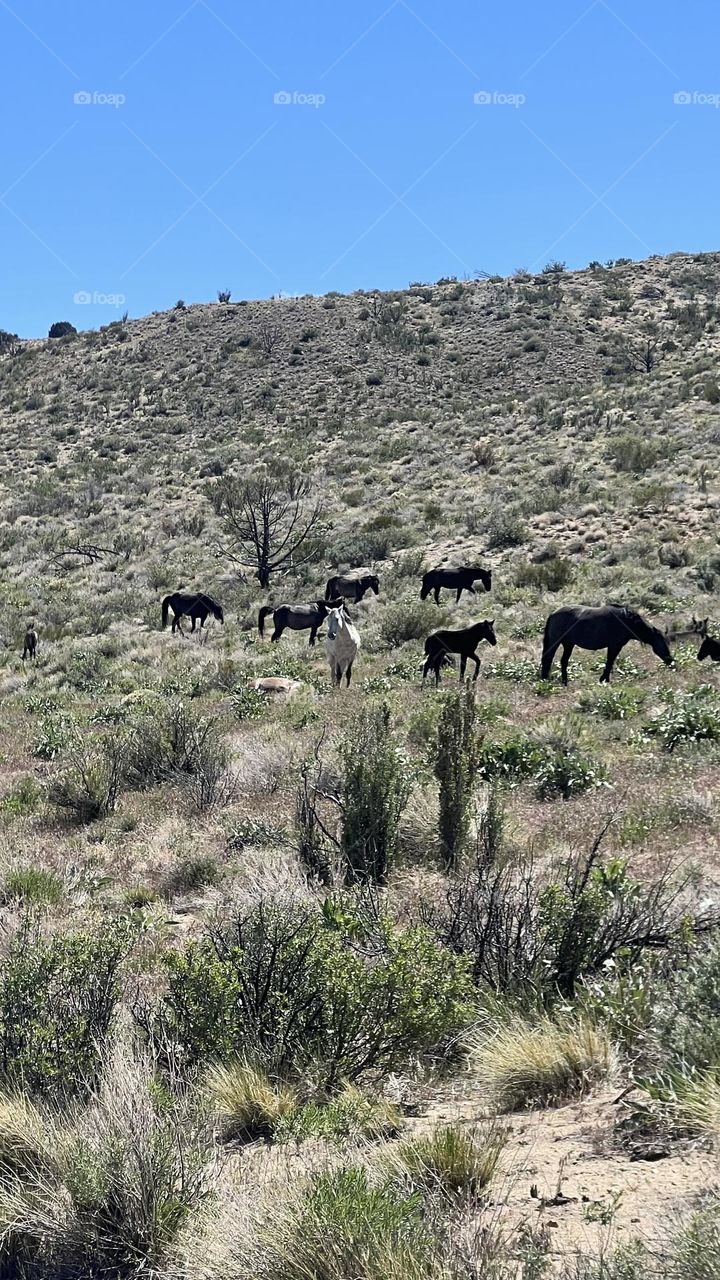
x=660, y=646
x=485, y=576
x=336, y=622
x=373, y=582
x=487, y=631
x=705, y=649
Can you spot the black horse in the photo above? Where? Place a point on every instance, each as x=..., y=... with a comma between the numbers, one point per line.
x=352, y=585
x=458, y=578
x=710, y=648
x=30, y=643
x=187, y=605
x=298, y=617
x=609, y=627
x=440, y=644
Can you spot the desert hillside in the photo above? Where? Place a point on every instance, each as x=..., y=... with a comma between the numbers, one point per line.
x=385, y=981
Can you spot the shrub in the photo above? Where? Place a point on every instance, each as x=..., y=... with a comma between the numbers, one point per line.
x=282, y=986
x=247, y=1103
x=90, y=787
x=108, y=1193
x=459, y=1162
x=521, y=1063
x=348, y=1114
x=516, y=758
x=57, y=1000
x=688, y=717
x=61, y=329
x=345, y=1225
x=565, y=771
x=456, y=765
x=375, y=790
x=408, y=620
x=552, y=575
x=634, y=453
x=504, y=527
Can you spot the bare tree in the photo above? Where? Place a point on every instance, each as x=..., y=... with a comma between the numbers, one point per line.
x=267, y=337
x=267, y=522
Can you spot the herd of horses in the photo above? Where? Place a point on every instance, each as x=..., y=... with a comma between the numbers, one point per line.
x=608, y=627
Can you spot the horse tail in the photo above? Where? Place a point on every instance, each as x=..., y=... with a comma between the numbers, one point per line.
x=165, y=610
x=426, y=587
x=546, y=632
x=263, y=614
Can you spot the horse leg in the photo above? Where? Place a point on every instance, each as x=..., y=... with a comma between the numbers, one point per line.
x=311, y=641
x=463, y=664
x=609, y=664
x=277, y=632
x=547, y=661
x=458, y=594
x=436, y=593
x=436, y=668
x=348, y=674
x=193, y=621
x=567, y=650
x=476, y=660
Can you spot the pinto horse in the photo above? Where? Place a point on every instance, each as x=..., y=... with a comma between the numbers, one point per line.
x=610, y=627
x=186, y=605
x=298, y=617
x=459, y=578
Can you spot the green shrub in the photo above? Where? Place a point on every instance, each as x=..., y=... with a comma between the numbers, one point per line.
x=24, y=798
x=57, y=1000
x=566, y=771
x=408, y=619
x=505, y=527
x=34, y=884
x=516, y=758
x=634, y=453
x=55, y=732
x=281, y=986
x=456, y=766
x=375, y=790
x=522, y=1063
x=90, y=786
x=348, y=1114
x=688, y=717
x=551, y=575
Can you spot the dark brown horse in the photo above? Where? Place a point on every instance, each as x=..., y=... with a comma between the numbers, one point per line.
x=188, y=605
x=352, y=585
x=298, y=617
x=465, y=641
x=610, y=627
x=710, y=648
x=30, y=643
x=457, y=577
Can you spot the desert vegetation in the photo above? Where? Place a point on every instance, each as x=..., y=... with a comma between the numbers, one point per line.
x=389, y=982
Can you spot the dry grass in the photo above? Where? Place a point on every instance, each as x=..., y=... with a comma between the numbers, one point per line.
x=520, y=1063
x=245, y=1101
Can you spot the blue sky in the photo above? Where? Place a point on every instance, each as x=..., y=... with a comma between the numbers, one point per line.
x=182, y=175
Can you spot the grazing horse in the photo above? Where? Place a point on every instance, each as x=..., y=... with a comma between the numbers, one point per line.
x=341, y=646
x=298, y=617
x=352, y=585
x=458, y=578
x=30, y=643
x=465, y=641
x=609, y=627
x=187, y=605
x=710, y=648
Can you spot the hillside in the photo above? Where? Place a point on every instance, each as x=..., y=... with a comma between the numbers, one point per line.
x=167, y=834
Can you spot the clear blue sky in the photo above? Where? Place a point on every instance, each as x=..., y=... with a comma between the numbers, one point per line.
x=198, y=180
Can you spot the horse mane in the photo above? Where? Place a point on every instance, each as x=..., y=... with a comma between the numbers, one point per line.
x=643, y=629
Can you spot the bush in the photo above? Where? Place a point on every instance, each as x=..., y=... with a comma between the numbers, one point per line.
x=505, y=527
x=565, y=771
x=281, y=986
x=375, y=790
x=408, y=619
x=688, y=717
x=552, y=575
x=634, y=453
x=348, y=1114
x=106, y=1194
x=57, y=1001
x=90, y=787
x=61, y=329
x=459, y=1163
x=521, y=1063
x=514, y=759
x=34, y=884
x=345, y=1225
x=456, y=766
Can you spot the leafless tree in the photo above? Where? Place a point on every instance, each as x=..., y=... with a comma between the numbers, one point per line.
x=267, y=337
x=267, y=522
x=642, y=355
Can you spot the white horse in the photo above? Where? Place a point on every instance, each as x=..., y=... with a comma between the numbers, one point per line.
x=341, y=645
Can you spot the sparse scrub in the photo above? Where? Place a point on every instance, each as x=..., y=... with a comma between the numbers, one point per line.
x=375, y=790
x=456, y=766
x=244, y=1100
